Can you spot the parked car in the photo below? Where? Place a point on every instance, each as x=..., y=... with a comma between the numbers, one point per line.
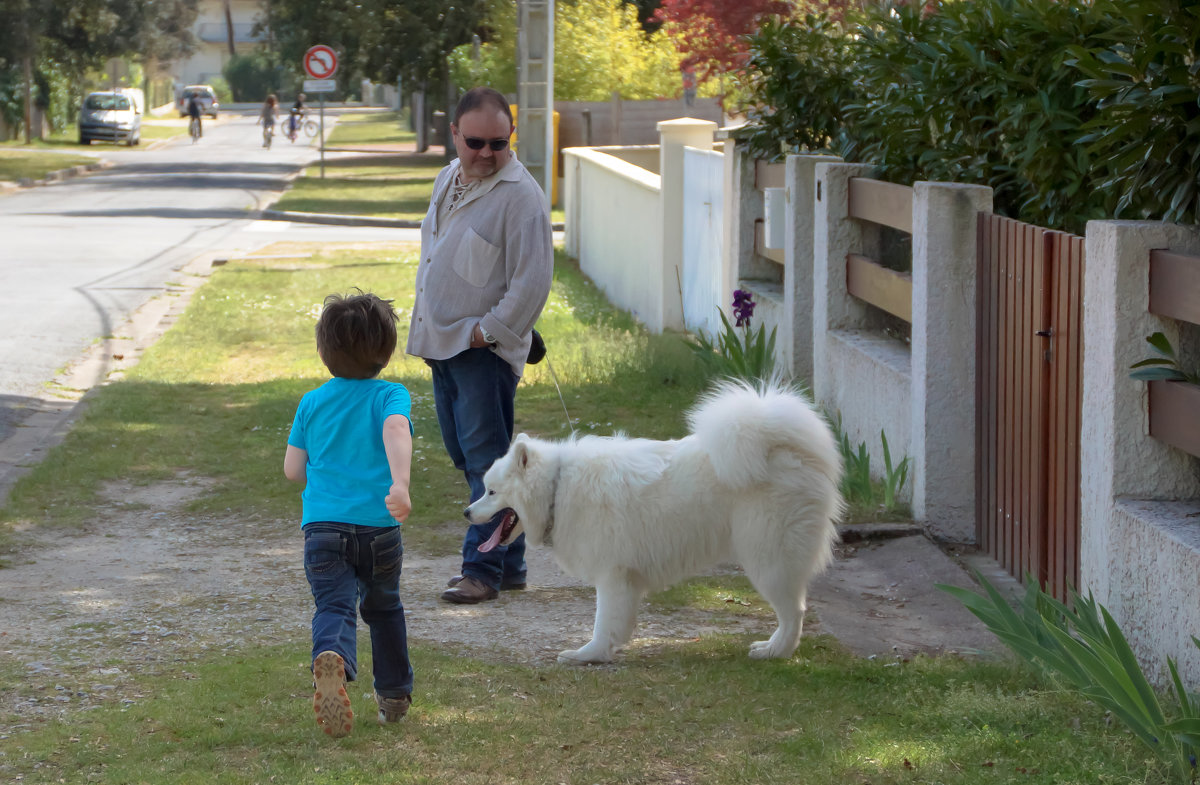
x=206, y=95
x=109, y=117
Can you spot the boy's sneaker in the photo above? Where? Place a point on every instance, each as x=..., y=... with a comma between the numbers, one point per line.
x=330, y=701
x=392, y=709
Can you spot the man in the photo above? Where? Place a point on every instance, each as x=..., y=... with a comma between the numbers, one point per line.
x=485, y=273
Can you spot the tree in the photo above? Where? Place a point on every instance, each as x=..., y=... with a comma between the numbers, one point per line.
x=712, y=34
x=58, y=42
x=599, y=49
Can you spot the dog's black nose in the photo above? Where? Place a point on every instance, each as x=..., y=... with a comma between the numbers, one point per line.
x=467, y=513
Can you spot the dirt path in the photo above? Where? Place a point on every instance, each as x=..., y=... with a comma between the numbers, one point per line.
x=147, y=587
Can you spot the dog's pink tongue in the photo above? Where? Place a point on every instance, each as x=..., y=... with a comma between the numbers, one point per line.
x=494, y=540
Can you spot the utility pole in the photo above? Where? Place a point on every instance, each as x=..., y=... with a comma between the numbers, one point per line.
x=535, y=91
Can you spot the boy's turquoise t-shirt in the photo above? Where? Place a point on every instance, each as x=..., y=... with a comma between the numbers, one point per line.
x=340, y=426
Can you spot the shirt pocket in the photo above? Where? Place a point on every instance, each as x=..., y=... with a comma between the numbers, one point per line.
x=475, y=259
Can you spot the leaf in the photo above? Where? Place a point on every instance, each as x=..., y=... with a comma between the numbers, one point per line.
x=1161, y=344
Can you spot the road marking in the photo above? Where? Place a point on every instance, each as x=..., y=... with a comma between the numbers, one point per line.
x=267, y=226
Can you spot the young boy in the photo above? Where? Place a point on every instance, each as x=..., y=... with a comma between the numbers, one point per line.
x=351, y=446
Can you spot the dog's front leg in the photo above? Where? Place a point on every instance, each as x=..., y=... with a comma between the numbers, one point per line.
x=617, y=598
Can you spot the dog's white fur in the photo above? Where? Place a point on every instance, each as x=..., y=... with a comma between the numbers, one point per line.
x=755, y=482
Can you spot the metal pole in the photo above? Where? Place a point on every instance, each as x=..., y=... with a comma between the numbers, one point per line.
x=322, y=136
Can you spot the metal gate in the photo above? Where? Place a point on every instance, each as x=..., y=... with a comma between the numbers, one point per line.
x=1030, y=286
x=701, y=277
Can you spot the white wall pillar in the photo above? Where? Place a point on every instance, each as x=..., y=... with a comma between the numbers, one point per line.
x=800, y=192
x=943, y=355
x=1118, y=458
x=834, y=236
x=674, y=135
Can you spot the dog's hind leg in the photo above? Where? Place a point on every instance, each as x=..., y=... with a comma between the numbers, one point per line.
x=617, y=598
x=784, y=588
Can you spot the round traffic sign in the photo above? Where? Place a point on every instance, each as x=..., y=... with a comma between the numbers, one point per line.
x=320, y=62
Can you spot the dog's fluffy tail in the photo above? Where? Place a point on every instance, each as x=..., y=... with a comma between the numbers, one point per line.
x=739, y=425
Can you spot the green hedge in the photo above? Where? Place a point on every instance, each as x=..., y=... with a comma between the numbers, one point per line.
x=1069, y=111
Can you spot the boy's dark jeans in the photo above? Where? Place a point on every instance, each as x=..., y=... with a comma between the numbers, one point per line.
x=349, y=565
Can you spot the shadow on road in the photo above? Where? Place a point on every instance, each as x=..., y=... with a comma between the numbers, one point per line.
x=198, y=167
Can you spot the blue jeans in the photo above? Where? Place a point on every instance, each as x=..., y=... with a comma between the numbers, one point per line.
x=473, y=392
x=349, y=565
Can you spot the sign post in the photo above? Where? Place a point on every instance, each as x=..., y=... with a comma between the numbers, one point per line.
x=320, y=63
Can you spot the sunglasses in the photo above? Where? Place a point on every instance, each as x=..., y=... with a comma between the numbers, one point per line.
x=475, y=143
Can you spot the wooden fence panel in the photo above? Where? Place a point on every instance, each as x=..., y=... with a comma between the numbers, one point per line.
x=1027, y=399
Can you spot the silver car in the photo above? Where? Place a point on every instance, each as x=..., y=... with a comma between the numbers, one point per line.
x=206, y=97
x=110, y=117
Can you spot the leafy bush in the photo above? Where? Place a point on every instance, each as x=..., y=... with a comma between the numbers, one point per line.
x=1069, y=111
x=252, y=77
x=801, y=80
x=1146, y=87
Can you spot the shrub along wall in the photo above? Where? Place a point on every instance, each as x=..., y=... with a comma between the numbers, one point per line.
x=1069, y=111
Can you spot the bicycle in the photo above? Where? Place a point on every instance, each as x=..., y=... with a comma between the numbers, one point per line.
x=297, y=123
x=194, y=129
x=268, y=134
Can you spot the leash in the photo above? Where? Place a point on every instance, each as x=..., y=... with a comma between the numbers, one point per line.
x=561, y=400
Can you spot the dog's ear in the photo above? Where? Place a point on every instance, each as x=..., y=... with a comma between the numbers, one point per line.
x=520, y=451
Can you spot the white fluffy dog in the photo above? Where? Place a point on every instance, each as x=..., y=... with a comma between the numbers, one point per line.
x=755, y=482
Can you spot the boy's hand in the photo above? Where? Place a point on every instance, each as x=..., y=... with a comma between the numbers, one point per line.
x=398, y=503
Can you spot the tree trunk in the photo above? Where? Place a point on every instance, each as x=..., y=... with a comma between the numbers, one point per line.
x=29, y=100
x=229, y=28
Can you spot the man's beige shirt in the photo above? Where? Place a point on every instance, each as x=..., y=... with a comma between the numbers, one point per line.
x=489, y=260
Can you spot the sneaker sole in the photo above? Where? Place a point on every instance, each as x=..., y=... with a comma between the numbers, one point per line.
x=330, y=701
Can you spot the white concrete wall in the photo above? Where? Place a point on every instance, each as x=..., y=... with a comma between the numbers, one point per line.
x=614, y=228
x=1139, y=543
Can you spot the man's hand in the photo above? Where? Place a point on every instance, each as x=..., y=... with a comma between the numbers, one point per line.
x=477, y=339
x=398, y=503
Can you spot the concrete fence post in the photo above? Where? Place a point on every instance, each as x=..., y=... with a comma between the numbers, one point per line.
x=834, y=236
x=674, y=135
x=943, y=355
x=800, y=192
x=1139, y=545
x=1117, y=455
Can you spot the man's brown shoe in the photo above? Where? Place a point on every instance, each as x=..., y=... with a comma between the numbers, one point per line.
x=504, y=585
x=469, y=591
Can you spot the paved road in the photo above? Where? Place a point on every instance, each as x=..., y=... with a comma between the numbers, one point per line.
x=77, y=257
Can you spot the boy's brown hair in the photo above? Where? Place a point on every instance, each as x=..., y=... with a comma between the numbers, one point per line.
x=356, y=335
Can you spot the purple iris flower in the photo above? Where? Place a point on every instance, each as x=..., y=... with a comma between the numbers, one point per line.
x=743, y=307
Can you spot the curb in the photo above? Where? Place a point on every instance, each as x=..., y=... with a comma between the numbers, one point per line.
x=337, y=220
x=7, y=186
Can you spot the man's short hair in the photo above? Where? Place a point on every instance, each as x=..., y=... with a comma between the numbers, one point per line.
x=479, y=97
x=356, y=335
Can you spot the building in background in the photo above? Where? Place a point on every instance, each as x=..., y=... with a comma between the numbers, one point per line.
x=223, y=28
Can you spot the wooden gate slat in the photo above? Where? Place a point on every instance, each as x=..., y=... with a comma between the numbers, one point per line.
x=1027, y=426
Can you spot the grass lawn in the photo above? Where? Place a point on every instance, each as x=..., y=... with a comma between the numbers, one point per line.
x=16, y=164
x=67, y=141
x=380, y=185
x=215, y=397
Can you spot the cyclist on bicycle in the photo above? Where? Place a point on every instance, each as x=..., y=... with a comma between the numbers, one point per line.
x=194, y=111
x=296, y=117
x=268, y=115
